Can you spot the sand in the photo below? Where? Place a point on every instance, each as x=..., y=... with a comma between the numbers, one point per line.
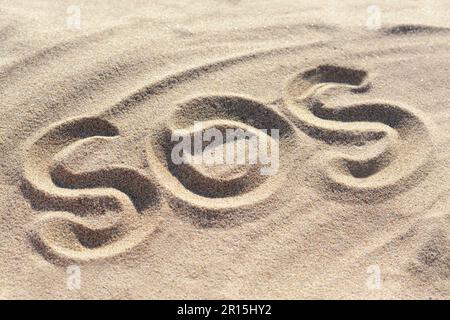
x=93, y=207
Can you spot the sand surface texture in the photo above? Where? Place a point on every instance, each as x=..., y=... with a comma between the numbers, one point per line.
x=92, y=206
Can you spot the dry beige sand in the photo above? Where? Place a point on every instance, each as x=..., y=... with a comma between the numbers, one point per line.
x=91, y=205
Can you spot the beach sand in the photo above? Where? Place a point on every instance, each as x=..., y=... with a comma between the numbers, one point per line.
x=93, y=207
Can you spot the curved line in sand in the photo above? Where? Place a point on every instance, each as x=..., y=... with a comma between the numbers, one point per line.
x=405, y=132
x=193, y=190
x=413, y=29
x=95, y=214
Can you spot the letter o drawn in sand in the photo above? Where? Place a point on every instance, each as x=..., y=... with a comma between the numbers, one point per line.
x=221, y=195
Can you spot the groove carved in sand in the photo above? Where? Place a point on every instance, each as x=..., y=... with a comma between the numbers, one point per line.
x=90, y=215
x=381, y=148
x=230, y=194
